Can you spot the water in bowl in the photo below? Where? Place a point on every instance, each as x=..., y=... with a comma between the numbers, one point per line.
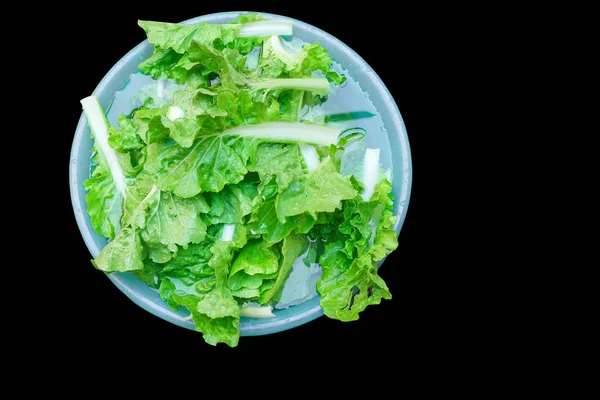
x=348, y=106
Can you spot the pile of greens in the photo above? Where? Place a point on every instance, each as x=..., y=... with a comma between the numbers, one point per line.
x=210, y=196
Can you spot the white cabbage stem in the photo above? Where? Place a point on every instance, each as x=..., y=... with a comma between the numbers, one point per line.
x=159, y=89
x=319, y=86
x=174, y=113
x=99, y=126
x=257, y=312
x=371, y=167
x=285, y=132
x=266, y=28
x=311, y=158
x=227, y=234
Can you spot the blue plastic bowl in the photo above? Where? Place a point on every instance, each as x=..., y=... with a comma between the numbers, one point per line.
x=392, y=136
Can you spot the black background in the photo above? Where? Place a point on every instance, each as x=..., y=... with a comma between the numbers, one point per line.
x=91, y=317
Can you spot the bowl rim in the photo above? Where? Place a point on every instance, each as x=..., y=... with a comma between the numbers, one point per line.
x=268, y=326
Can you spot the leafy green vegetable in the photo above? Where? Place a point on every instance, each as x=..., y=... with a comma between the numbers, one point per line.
x=321, y=190
x=214, y=185
x=173, y=41
x=106, y=187
x=265, y=220
x=357, y=236
x=278, y=61
x=207, y=166
x=293, y=247
x=180, y=37
x=125, y=252
x=280, y=159
x=175, y=221
x=127, y=138
x=190, y=267
x=344, y=294
x=181, y=115
x=256, y=263
x=233, y=203
x=103, y=200
x=317, y=59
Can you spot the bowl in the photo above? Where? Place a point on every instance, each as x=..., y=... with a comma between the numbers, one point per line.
x=392, y=138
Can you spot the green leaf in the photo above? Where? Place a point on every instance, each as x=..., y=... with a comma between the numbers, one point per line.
x=188, y=272
x=335, y=254
x=127, y=138
x=357, y=226
x=293, y=247
x=149, y=124
x=276, y=59
x=171, y=42
x=280, y=159
x=206, y=166
x=182, y=130
x=386, y=237
x=192, y=73
x=360, y=228
x=224, y=327
x=150, y=274
x=254, y=264
x=233, y=203
x=290, y=104
x=103, y=200
x=257, y=257
x=142, y=195
x=265, y=221
x=245, y=44
x=180, y=116
x=158, y=252
x=253, y=112
x=160, y=63
x=318, y=59
x=344, y=294
x=124, y=253
x=219, y=63
x=279, y=60
x=165, y=290
x=190, y=266
x=356, y=238
x=321, y=190
x=218, y=314
x=174, y=221
x=180, y=37
x=315, y=249
x=218, y=304
x=264, y=218
x=196, y=278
